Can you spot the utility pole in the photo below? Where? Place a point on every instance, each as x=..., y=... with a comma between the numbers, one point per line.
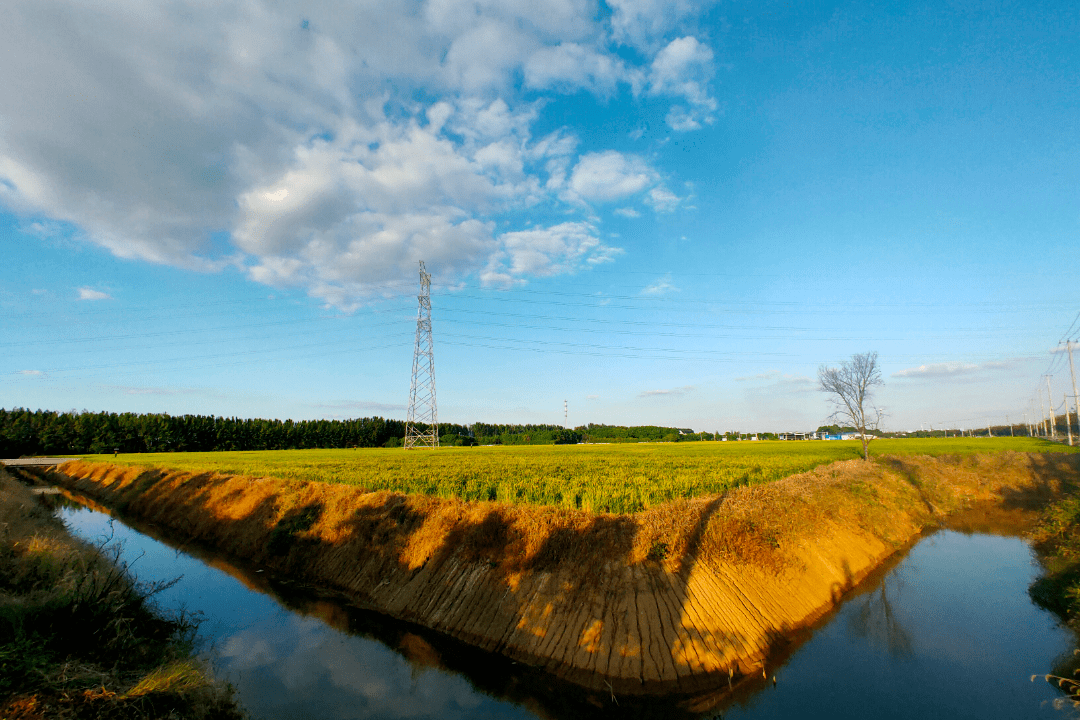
x=422, y=406
x=1053, y=420
x=989, y=432
x=1076, y=396
x=1068, y=420
x=1042, y=409
x=1007, y=422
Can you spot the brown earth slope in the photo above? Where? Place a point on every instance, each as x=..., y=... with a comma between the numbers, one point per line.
x=668, y=600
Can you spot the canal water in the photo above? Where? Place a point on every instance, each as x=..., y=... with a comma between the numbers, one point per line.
x=946, y=632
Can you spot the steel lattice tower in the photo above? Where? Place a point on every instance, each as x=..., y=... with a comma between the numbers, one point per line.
x=422, y=407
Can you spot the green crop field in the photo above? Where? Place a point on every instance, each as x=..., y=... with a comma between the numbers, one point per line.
x=601, y=478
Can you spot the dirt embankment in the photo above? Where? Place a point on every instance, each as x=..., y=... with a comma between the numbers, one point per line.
x=669, y=600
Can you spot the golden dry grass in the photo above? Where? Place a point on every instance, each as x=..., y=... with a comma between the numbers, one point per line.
x=745, y=524
x=621, y=478
x=76, y=640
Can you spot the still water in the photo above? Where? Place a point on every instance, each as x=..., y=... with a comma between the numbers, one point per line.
x=947, y=632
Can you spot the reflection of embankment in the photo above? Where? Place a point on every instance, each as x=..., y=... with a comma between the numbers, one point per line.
x=668, y=600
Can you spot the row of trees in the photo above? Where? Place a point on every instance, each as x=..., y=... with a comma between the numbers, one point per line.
x=43, y=432
x=640, y=433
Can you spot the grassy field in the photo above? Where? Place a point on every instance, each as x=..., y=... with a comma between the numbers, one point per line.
x=600, y=478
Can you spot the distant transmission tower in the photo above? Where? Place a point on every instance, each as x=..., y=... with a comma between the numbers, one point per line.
x=422, y=393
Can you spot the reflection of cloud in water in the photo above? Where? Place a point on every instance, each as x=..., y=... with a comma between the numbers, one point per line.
x=246, y=652
x=307, y=669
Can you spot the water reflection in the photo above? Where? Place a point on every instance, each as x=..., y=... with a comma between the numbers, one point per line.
x=871, y=616
x=947, y=631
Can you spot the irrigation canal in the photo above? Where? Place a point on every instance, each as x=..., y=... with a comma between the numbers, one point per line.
x=948, y=631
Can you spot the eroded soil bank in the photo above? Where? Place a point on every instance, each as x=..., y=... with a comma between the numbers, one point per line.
x=669, y=600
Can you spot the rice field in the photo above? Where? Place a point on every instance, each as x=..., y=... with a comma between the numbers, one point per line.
x=616, y=478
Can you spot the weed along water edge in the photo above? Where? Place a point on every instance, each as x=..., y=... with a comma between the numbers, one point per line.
x=677, y=598
x=80, y=638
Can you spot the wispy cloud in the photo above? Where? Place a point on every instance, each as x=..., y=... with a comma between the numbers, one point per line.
x=86, y=293
x=627, y=212
x=31, y=373
x=958, y=369
x=151, y=390
x=662, y=393
x=768, y=375
x=662, y=286
x=788, y=382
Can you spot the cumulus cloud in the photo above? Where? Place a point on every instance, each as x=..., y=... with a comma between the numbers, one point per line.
x=572, y=66
x=661, y=199
x=287, y=140
x=643, y=23
x=683, y=69
x=86, y=293
x=609, y=175
x=545, y=251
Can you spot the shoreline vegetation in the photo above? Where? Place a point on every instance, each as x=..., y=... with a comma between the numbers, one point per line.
x=1056, y=541
x=80, y=638
x=676, y=598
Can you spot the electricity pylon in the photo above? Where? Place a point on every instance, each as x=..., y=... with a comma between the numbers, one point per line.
x=422, y=392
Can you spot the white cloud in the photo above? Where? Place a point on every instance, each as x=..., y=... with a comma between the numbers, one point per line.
x=642, y=23
x=573, y=66
x=775, y=381
x=609, y=175
x=662, y=286
x=662, y=200
x=86, y=293
x=661, y=393
x=679, y=120
x=958, y=369
x=30, y=373
x=627, y=212
x=548, y=251
x=293, y=130
x=684, y=69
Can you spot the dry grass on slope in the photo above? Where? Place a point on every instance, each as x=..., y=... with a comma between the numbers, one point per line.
x=264, y=519
x=77, y=638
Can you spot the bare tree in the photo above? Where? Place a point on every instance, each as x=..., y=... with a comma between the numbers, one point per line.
x=851, y=386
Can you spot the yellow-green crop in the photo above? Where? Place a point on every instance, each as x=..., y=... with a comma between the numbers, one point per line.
x=601, y=478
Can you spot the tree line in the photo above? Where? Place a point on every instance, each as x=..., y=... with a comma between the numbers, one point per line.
x=46, y=432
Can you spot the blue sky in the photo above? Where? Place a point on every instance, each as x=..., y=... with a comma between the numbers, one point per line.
x=662, y=213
